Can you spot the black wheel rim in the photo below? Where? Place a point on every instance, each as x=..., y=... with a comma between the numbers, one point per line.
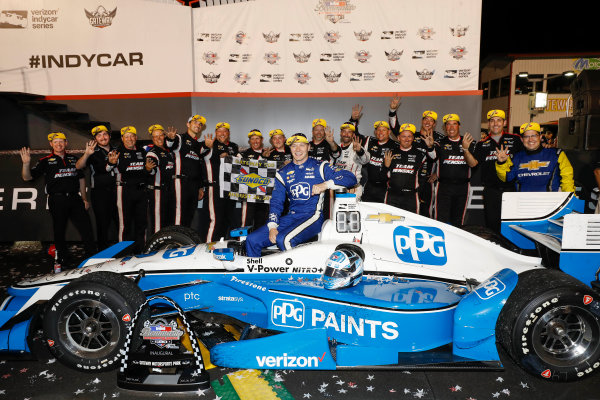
x=89, y=329
x=566, y=336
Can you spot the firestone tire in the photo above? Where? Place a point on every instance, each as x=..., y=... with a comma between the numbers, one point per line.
x=172, y=237
x=550, y=326
x=86, y=322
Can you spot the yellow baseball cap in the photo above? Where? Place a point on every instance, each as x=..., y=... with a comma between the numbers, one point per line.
x=451, y=117
x=530, y=126
x=56, y=135
x=430, y=114
x=408, y=127
x=255, y=132
x=496, y=113
x=154, y=127
x=348, y=125
x=128, y=129
x=296, y=138
x=197, y=118
x=98, y=129
x=381, y=123
x=319, y=121
x=274, y=132
x=222, y=125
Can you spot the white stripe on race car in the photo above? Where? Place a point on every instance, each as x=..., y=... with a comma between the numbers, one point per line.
x=365, y=307
x=43, y=293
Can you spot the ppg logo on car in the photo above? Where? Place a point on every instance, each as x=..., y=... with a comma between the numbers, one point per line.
x=420, y=245
x=285, y=312
x=300, y=191
x=490, y=288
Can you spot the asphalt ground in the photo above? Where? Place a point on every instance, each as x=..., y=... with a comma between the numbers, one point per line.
x=49, y=379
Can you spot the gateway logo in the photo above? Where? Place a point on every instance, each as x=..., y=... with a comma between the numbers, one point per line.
x=100, y=18
x=286, y=361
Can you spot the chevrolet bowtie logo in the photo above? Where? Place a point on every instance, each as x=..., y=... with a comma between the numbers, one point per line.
x=384, y=218
x=534, y=165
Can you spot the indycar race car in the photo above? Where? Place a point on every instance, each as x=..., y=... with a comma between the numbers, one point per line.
x=432, y=296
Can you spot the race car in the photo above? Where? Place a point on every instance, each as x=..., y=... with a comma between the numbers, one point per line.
x=432, y=295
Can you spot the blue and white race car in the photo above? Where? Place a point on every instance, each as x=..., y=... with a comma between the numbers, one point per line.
x=432, y=295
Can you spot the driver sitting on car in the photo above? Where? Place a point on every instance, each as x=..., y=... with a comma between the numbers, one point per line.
x=304, y=181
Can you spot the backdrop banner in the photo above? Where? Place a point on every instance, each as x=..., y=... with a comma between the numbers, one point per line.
x=358, y=46
x=86, y=47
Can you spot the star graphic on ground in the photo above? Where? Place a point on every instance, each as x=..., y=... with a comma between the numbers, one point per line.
x=370, y=377
x=370, y=388
x=496, y=395
x=306, y=396
x=340, y=382
x=78, y=392
x=342, y=391
x=420, y=393
x=524, y=385
x=506, y=392
x=500, y=379
x=200, y=392
x=456, y=388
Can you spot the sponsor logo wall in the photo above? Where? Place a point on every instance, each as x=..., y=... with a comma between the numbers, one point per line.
x=313, y=46
x=90, y=47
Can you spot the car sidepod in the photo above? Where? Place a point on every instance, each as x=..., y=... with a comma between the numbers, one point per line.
x=476, y=316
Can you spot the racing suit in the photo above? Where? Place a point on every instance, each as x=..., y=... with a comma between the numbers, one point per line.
x=254, y=214
x=64, y=201
x=160, y=184
x=541, y=170
x=425, y=189
x=454, y=175
x=404, y=173
x=103, y=195
x=220, y=211
x=132, y=200
x=377, y=177
x=188, y=179
x=352, y=161
x=305, y=218
x=493, y=187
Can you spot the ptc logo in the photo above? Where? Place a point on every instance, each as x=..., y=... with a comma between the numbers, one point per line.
x=285, y=312
x=420, y=245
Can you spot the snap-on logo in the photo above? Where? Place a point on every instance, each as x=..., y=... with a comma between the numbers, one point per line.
x=420, y=245
x=490, y=288
x=300, y=191
x=288, y=313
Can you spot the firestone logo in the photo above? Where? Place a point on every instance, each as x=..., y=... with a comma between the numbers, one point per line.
x=100, y=18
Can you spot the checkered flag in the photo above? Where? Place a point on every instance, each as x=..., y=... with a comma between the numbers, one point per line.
x=248, y=180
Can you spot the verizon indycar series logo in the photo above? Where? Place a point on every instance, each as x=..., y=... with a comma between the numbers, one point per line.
x=210, y=57
x=420, y=245
x=332, y=36
x=332, y=77
x=13, y=19
x=100, y=18
x=363, y=35
x=211, y=77
x=458, y=52
x=458, y=30
x=334, y=10
x=302, y=77
x=393, y=55
x=393, y=76
x=302, y=57
x=425, y=74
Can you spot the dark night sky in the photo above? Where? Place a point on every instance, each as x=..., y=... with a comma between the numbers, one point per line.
x=538, y=27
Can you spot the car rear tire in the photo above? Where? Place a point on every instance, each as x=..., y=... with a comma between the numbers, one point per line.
x=550, y=326
x=86, y=322
x=172, y=237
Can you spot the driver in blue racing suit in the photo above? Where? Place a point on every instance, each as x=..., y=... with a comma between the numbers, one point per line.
x=304, y=181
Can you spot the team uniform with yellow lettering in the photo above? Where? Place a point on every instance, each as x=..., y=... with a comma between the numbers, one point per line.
x=542, y=170
x=454, y=175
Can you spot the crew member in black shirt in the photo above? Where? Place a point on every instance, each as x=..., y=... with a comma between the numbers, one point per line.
x=65, y=186
x=485, y=156
x=454, y=174
x=160, y=164
x=220, y=210
x=404, y=165
x=322, y=145
x=377, y=177
x=128, y=164
x=279, y=151
x=102, y=183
